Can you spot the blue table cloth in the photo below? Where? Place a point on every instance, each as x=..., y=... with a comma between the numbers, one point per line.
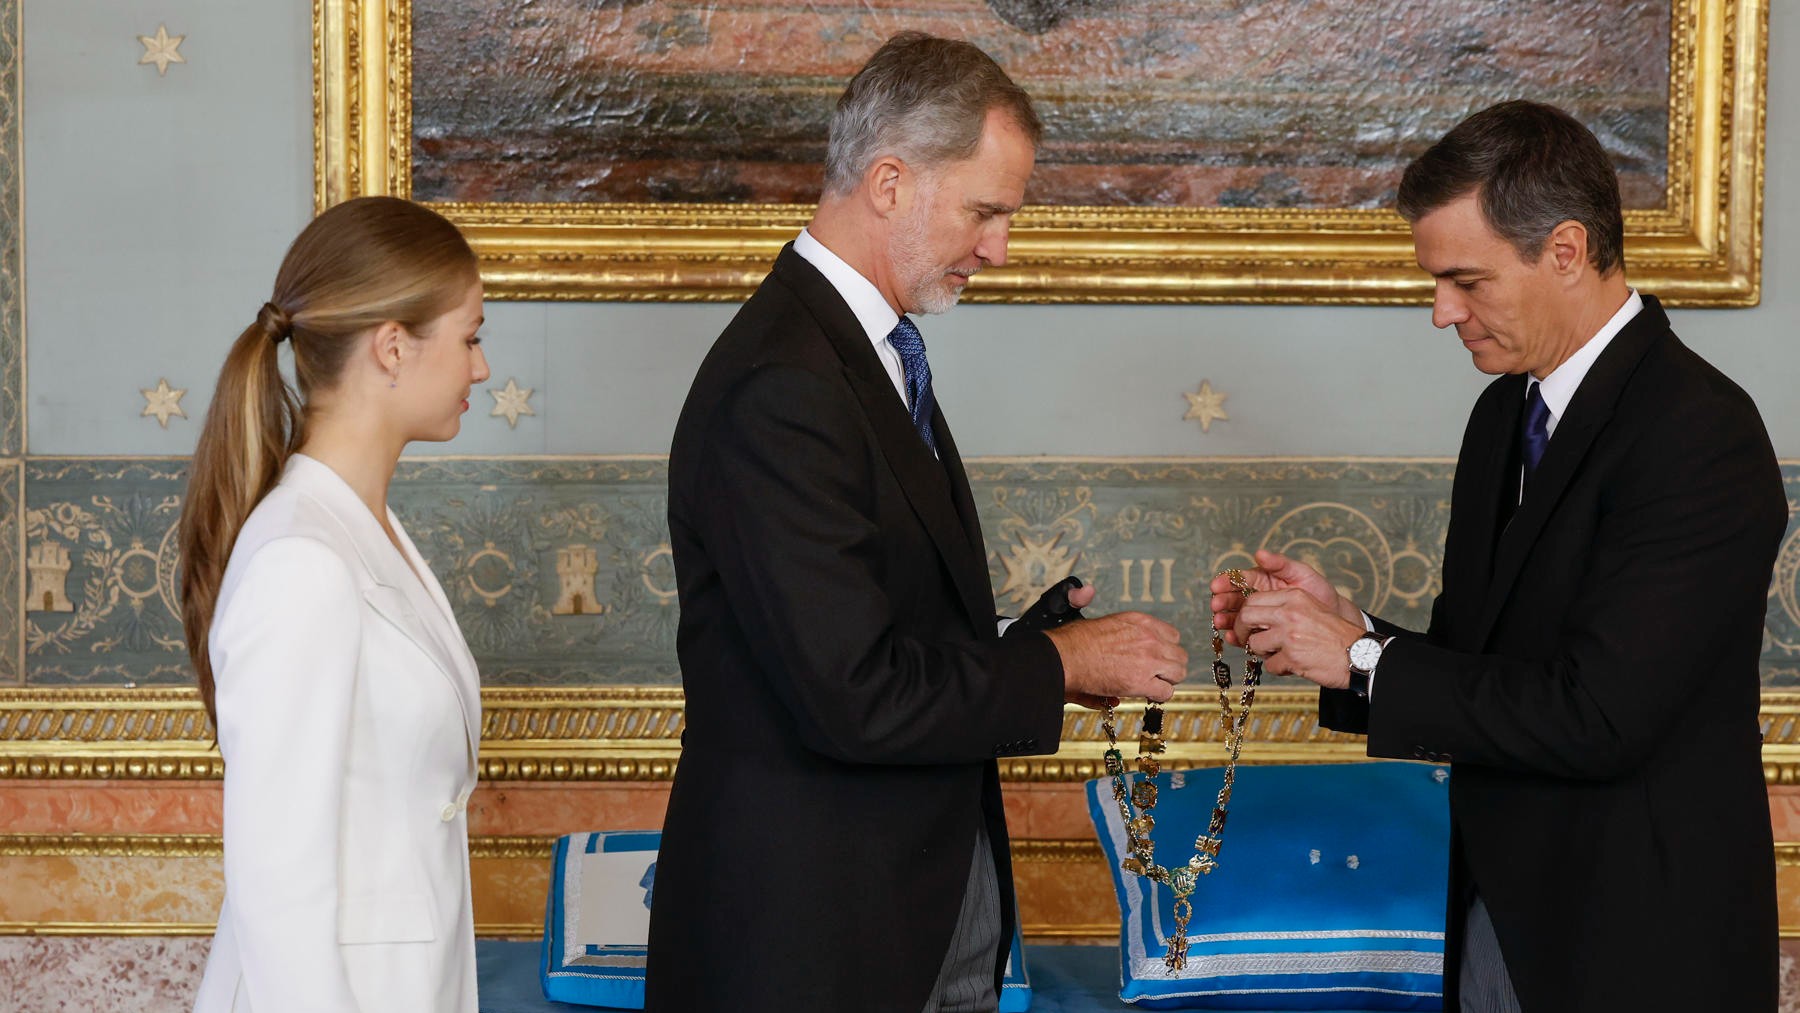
x=1064, y=979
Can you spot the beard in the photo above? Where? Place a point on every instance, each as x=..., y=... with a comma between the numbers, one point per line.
x=925, y=290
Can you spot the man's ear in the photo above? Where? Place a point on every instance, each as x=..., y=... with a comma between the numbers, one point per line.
x=889, y=185
x=1568, y=249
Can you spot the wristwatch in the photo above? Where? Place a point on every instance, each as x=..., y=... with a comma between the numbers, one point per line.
x=1365, y=654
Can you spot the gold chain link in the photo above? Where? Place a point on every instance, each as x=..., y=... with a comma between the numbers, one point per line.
x=1140, y=858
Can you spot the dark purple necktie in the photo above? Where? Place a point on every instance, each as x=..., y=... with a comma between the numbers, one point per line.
x=1535, y=435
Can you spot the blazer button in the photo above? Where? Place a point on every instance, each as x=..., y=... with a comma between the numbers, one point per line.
x=448, y=812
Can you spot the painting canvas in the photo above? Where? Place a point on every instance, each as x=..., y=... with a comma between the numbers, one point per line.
x=1146, y=103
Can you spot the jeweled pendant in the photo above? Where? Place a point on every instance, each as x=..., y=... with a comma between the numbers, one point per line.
x=1149, y=766
x=1153, y=720
x=1182, y=880
x=1149, y=742
x=1222, y=674
x=1115, y=763
x=1143, y=793
x=1176, y=959
x=1133, y=864
x=1142, y=826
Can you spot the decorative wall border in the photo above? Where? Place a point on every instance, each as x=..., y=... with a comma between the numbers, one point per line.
x=505, y=848
x=1025, y=853
x=12, y=343
x=634, y=734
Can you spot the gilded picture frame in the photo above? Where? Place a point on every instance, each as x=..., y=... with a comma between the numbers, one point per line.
x=1702, y=248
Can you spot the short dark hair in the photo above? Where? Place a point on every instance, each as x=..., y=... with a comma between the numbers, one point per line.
x=1533, y=167
x=924, y=99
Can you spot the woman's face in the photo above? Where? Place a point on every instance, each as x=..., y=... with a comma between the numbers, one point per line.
x=445, y=362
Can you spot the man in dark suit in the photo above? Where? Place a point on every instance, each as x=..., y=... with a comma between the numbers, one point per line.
x=835, y=838
x=1591, y=670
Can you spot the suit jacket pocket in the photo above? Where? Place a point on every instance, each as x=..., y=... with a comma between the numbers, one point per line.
x=387, y=918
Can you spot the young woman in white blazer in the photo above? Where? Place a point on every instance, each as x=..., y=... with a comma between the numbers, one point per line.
x=347, y=705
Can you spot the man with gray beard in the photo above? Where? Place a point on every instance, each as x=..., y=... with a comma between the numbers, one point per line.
x=835, y=838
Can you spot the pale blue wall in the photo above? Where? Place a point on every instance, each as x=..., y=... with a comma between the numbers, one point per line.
x=156, y=211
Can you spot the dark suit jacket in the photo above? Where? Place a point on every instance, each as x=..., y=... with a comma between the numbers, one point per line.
x=846, y=690
x=1592, y=673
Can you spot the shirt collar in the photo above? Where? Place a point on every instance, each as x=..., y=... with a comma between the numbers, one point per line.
x=865, y=300
x=1558, y=389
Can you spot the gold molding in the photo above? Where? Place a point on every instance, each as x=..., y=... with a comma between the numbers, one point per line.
x=112, y=845
x=634, y=734
x=1703, y=248
x=481, y=846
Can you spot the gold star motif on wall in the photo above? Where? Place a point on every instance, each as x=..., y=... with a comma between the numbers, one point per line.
x=1205, y=406
x=162, y=402
x=511, y=402
x=161, y=49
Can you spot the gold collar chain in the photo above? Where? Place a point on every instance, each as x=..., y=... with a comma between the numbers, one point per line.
x=1140, y=859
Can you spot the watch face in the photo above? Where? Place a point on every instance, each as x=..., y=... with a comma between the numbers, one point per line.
x=1364, y=654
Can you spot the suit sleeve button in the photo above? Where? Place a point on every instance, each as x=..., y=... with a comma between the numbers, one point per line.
x=1418, y=752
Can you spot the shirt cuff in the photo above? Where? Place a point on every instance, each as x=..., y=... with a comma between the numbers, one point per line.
x=1003, y=622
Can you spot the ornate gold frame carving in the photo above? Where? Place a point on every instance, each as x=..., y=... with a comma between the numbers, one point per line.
x=1703, y=248
x=634, y=734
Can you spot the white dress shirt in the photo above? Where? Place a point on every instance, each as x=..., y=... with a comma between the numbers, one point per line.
x=878, y=319
x=1560, y=386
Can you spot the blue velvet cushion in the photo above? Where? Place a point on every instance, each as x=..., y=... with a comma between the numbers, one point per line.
x=597, y=920
x=597, y=924
x=1329, y=893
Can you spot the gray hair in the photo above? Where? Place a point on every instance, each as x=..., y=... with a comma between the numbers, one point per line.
x=924, y=100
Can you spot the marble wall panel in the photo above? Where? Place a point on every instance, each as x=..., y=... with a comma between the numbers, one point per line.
x=149, y=974
x=560, y=573
x=86, y=974
x=102, y=807
x=112, y=889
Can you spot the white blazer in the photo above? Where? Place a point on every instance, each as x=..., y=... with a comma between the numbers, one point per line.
x=349, y=718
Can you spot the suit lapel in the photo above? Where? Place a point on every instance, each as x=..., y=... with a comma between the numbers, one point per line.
x=400, y=596
x=446, y=644
x=1588, y=414
x=959, y=485
x=925, y=479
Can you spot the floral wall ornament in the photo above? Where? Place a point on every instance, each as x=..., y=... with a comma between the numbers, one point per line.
x=1206, y=406
x=161, y=49
x=162, y=401
x=511, y=402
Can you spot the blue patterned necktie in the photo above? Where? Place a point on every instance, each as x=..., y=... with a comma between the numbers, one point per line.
x=1536, y=433
x=907, y=340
